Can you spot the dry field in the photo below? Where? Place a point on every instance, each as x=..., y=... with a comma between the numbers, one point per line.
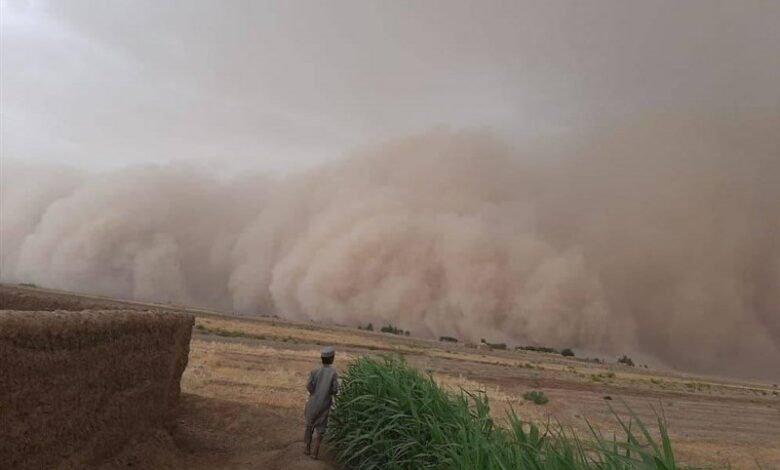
x=244, y=394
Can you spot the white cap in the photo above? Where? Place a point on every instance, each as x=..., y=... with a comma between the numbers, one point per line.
x=327, y=351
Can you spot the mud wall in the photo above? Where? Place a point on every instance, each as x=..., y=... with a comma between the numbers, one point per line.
x=75, y=387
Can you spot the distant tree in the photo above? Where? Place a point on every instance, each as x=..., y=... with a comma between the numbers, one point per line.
x=448, y=339
x=393, y=330
x=543, y=349
x=370, y=327
x=567, y=352
x=626, y=360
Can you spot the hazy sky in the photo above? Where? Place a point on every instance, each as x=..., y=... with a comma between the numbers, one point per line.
x=282, y=85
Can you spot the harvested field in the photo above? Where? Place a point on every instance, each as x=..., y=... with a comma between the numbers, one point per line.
x=243, y=396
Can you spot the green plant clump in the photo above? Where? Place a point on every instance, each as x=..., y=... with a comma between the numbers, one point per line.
x=698, y=386
x=501, y=346
x=626, y=361
x=538, y=398
x=391, y=416
x=543, y=349
x=393, y=330
x=567, y=352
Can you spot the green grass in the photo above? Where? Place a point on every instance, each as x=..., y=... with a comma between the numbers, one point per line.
x=391, y=416
x=538, y=398
x=602, y=377
x=697, y=386
x=229, y=333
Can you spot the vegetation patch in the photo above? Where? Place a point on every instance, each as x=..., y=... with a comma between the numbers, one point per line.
x=625, y=360
x=697, y=386
x=535, y=397
x=601, y=377
x=393, y=330
x=543, y=349
x=500, y=346
x=567, y=352
x=391, y=416
x=229, y=333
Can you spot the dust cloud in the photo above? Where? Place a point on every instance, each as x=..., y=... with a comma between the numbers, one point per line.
x=660, y=238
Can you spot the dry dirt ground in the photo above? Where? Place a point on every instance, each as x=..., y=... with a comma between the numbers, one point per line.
x=243, y=395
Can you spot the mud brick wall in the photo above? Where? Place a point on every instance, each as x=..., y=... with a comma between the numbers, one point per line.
x=75, y=387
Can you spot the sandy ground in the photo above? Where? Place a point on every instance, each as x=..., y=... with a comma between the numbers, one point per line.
x=712, y=421
x=244, y=395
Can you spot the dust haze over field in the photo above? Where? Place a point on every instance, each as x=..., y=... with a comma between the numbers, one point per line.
x=661, y=237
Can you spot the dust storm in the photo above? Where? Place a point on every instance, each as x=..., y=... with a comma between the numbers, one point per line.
x=660, y=237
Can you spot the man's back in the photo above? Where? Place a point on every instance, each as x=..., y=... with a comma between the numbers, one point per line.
x=322, y=385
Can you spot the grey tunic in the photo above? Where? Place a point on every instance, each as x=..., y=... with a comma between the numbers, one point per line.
x=322, y=385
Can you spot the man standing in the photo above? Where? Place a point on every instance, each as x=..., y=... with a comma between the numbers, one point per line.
x=322, y=385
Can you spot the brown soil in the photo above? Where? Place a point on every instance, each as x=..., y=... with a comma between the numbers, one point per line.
x=219, y=434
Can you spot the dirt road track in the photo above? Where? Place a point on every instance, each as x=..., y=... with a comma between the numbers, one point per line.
x=213, y=434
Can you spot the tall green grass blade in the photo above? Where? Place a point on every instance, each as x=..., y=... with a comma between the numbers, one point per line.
x=391, y=416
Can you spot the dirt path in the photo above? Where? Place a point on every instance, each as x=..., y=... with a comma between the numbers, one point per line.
x=213, y=434
x=220, y=434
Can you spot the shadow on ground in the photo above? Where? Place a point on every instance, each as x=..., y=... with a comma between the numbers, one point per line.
x=218, y=434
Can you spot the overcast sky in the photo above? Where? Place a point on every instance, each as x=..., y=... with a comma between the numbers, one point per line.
x=283, y=85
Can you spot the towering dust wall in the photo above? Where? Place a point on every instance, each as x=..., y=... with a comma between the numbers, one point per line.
x=660, y=237
x=76, y=386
